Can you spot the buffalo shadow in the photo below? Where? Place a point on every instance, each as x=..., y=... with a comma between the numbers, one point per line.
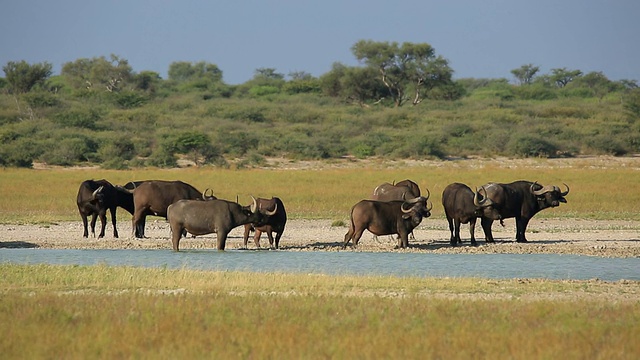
x=18, y=245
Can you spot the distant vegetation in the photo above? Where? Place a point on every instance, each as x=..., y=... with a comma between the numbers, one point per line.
x=403, y=102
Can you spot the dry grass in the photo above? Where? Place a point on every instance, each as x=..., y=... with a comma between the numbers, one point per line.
x=103, y=312
x=605, y=192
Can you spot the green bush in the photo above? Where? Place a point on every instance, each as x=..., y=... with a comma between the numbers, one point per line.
x=526, y=145
x=78, y=117
x=41, y=99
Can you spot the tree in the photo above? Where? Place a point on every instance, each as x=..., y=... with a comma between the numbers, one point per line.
x=525, y=73
x=182, y=71
x=561, y=77
x=22, y=77
x=111, y=75
x=404, y=66
x=597, y=82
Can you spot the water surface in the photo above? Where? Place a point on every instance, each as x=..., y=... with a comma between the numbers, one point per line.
x=496, y=266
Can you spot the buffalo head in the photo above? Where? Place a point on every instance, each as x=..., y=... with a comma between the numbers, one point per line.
x=550, y=194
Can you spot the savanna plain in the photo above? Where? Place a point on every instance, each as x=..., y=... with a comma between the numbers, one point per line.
x=123, y=312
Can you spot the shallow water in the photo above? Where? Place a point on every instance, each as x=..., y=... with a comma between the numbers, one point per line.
x=496, y=266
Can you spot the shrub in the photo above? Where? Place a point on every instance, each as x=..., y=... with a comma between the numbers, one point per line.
x=129, y=99
x=41, y=99
x=116, y=147
x=531, y=146
x=78, y=117
x=69, y=150
x=605, y=144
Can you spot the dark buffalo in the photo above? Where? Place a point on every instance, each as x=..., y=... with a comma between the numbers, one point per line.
x=206, y=217
x=457, y=200
x=387, y=218
x=153, y=197
x=520, y=200
x=274, y=221
x=405, y=189
x=95, y=197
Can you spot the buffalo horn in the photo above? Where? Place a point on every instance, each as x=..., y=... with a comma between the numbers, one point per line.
x=204, y=194
x=98, y=190
x=271, y=213
x=254, y=205
x=566, y=192
x=428, y=193
x=403, y=209
x=485, y=199
x=545, y=189
x=429, y=207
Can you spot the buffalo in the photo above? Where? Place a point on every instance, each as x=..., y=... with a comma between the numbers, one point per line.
x=95, y=197
x=153, y=197
x=457, y=200
x=206, y=217
x=405, y=189
x=275, y=221
x=387, y=218
x=520, y=200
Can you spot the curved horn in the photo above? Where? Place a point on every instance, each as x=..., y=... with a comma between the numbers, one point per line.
x=403, y=209
x=204, y=194
x=537, y=192
x=98, y=190
x=566, y=192
x=428, y=193
x=414, y=200
x=485, y=199
x=254, y=206
x=273, y=212
x=430, y=207
x=543, y=190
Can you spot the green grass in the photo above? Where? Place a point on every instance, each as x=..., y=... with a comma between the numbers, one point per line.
x=33, y=196
x=104, y=312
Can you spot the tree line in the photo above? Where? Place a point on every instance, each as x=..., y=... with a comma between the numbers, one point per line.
x=100, y=94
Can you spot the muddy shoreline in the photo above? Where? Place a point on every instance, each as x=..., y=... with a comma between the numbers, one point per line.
x=610, y=238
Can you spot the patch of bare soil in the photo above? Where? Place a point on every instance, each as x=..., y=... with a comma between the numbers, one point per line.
x=546, y=236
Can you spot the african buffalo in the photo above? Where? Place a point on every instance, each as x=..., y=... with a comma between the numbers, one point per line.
x=457, y=200
x=387, y=218
x=206, y=217
x=274, y=221
x=153, y=197
x=520, y=200
x=405, y=189
x=95, y=197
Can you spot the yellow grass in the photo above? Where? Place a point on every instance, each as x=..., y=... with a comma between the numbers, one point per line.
x=102, y=312
x=49, y=195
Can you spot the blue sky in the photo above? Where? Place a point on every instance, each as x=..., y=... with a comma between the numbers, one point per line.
x=481, y=39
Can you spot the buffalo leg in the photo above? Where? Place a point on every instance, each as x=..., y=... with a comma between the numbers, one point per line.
x=222, y=239
x=94, y=217
x=176, y=235
x=472, y=231
x=113, y=222
x=256, y=237
x=521, y=227
x=278, y=235
x=486, y=227
x=247, y=230
x=138, y=223
x=270, y=237
x=456, y=230
x=103, y=223
x=452, y=239
x=85, y=225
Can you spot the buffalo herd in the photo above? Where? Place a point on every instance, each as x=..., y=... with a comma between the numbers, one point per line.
x=394, y=209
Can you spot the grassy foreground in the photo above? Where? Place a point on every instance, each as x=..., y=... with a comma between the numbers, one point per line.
x=105, y=312
x=604, y=193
